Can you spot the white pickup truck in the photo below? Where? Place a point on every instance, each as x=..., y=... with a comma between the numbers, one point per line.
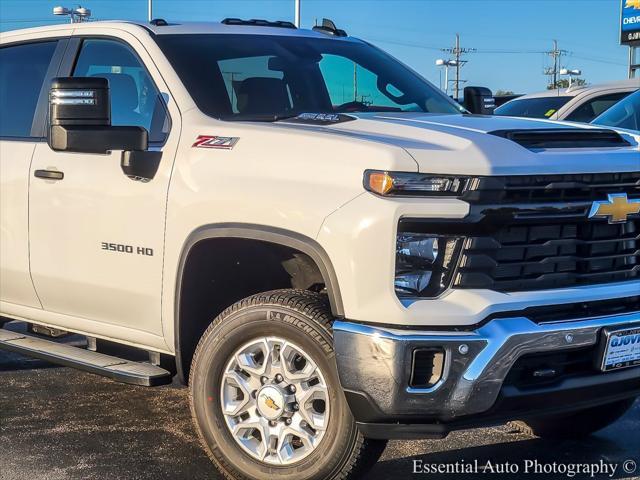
x=327, y=250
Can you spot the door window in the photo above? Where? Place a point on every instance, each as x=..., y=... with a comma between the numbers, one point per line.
x=594, y=107
x=135, y=100
x=22, y=74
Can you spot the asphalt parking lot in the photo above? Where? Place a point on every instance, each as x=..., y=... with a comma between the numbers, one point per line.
x=57, y=423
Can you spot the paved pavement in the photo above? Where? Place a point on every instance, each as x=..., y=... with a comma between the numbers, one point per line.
x=59, y=424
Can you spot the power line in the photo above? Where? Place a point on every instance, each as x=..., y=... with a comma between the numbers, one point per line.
x=33, y=21
x=597, y=59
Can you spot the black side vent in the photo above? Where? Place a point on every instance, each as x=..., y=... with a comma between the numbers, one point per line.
x=427, y=368
x=563, y=138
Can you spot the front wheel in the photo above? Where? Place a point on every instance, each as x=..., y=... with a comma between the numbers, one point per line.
x=575, y=425
x=265, y=394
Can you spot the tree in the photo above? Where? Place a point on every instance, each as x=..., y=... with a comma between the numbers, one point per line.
x=564, y=83
x=501, y=93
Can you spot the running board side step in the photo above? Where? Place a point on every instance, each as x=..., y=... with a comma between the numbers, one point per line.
x=121, y=370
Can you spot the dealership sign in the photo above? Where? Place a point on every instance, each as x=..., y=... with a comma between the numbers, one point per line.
x=630, y=22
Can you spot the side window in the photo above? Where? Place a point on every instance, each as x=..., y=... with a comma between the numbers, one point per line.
x=23, y=72
x=135, y=100
x=594, y=107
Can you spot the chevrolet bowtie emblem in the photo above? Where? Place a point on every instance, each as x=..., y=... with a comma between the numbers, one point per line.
x=270, y=402
x=617, y=208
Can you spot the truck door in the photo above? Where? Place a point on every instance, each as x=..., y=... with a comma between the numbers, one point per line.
x=96, y=234
x=26, y=68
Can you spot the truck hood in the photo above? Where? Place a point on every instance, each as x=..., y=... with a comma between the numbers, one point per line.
x=462, y=144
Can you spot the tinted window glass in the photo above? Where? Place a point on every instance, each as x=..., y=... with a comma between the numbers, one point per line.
x=594, y=107
x=541, y=107
x=236, y=70
x=22, y=73
x=263, y=77
x=135, y=100
x=349, y=82
x=624, y=114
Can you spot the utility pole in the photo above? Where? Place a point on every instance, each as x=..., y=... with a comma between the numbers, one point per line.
x=457, y=51
x=553, y=72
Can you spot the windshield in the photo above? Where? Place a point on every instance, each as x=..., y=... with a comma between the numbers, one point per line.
x=624, y=114
x=265, y=77
x=540, y=107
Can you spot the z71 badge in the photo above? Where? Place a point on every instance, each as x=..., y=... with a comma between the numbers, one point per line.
x=213, y=141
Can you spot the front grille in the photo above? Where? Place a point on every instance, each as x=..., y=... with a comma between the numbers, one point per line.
x=551, y=188
x=552, y=255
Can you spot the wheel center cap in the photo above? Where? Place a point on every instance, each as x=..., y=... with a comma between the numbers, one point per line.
x=270, y=402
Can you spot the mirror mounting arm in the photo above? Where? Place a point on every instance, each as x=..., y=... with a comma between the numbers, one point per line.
x=140, y=164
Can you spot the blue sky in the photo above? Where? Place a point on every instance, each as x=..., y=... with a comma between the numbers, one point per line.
x=508, y=34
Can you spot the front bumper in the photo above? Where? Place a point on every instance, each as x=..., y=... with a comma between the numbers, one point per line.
x=374, y=368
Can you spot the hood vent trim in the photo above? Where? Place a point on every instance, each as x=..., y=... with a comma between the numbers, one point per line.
x=563, y=138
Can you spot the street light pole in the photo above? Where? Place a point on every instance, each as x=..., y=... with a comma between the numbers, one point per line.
x=446, y=79
x=79, y=14
x=571, y=73
x=296, y=13
x=446, y=64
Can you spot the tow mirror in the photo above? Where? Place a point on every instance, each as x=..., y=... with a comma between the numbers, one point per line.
x=80, y=121
x=479, y=100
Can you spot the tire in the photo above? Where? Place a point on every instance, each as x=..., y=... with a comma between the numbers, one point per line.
x=576, y=425
x=293, y=327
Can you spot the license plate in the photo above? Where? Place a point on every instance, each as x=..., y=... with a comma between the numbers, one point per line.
x=622, y=349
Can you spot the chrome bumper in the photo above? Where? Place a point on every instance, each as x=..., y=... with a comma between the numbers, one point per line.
x=374, y=363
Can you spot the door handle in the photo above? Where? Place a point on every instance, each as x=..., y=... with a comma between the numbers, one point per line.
x=49, y=174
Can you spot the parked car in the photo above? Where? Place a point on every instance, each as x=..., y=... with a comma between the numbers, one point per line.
x=624, y=114
x=325, y=269
x=576, y=104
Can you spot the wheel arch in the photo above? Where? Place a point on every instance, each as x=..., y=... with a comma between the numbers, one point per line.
x=261, y=233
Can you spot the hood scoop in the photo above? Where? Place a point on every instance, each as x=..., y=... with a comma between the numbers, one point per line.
x=563, y=138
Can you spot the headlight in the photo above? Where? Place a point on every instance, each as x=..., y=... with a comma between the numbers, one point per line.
x=424, y=263
x=412, y=184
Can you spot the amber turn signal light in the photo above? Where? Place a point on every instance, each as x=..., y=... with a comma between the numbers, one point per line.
x=380, y=182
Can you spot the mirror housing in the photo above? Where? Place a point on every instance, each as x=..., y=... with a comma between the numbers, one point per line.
x=80, y=119
x=479, y=100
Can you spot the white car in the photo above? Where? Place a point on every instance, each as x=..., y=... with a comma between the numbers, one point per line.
x=326, y=267
x=580, y=103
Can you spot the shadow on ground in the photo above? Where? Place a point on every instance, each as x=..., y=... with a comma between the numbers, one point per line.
x=61, y=424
